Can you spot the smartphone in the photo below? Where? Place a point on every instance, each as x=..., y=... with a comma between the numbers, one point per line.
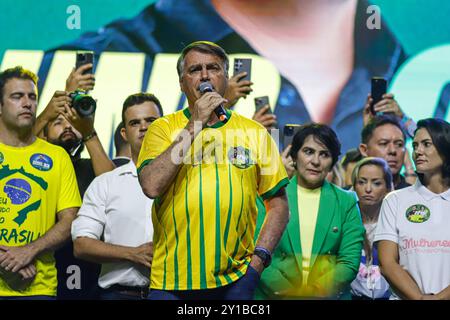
x=84, y=58
x=379, y=88
x=289, y=132
x=242, y=65
x=260, y=102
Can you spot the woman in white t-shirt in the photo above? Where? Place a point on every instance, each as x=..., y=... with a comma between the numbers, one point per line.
x=372, y=181
x=413, y=232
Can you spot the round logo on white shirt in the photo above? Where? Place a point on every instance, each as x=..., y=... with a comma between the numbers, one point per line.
x=418, y=213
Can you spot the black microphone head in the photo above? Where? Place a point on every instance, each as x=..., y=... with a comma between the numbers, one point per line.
x=205, y=87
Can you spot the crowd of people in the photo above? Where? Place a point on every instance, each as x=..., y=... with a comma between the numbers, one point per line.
x=200, y=207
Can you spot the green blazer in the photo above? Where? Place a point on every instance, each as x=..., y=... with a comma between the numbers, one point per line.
x=336, y=250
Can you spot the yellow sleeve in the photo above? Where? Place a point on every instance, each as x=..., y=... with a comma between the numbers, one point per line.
x=156, y=141
x=272, y=174
x=69, y=195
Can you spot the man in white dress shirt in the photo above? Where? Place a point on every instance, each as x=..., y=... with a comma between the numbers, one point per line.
x=114, y=226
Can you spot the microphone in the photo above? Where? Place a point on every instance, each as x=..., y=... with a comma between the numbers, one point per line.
x=219, y=111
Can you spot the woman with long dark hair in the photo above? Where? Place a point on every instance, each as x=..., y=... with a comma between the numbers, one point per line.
x=413, y=232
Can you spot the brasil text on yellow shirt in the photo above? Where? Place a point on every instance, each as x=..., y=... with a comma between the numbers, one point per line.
x=36, y=182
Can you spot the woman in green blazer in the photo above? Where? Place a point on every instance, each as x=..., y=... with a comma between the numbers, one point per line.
x=319, y=254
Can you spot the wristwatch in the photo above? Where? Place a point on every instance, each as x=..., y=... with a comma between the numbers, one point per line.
x=264, y=254
x=89, y=136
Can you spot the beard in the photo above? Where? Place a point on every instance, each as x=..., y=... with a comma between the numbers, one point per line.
x=69, y=145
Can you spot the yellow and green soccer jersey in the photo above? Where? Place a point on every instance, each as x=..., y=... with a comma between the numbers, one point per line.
x=36, y=182
x=205, y=222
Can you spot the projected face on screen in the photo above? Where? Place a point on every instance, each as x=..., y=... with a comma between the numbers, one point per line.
x=313, y=59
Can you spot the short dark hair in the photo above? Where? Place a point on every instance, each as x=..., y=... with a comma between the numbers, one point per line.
x=119, y=142
x=439, y=131
x=17, y=72
x=379, y=162
x=139, y=98
x=323, y=133
x=352, y=155
x=203, y=47
x=378, y=121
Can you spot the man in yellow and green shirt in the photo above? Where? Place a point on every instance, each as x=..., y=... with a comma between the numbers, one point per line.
x=205, y=175
x=39, y=195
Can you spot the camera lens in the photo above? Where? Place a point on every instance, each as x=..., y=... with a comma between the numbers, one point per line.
x=84, y=104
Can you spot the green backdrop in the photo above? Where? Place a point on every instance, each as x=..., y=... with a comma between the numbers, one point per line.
x=38, y=25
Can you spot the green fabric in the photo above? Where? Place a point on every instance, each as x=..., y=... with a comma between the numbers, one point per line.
x=216, y=125
x=269, y=194
x=336, y=250
x=146, y=162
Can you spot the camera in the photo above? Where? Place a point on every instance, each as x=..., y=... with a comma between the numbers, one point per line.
x=83, y=103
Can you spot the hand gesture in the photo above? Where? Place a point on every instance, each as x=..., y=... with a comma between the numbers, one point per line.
x=287, y=161
x=205, y=105
x=78, y=80
x=387, y=105
x=143, y=254
x=15, y=258
x=57, y=105
x=267, y=120
x=85, y=125
x=237, y=89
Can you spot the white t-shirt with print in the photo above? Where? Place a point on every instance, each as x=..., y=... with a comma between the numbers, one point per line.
x=418, y=220
x=369, y=282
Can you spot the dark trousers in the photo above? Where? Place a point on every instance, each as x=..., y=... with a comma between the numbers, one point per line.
x=115, y=295
x=242, y=289
x=119, y=292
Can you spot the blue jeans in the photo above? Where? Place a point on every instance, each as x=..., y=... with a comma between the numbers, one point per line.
x=242, y=289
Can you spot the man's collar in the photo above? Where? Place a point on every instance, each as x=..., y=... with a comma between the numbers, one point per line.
x=75, y=152
x=129, y=168
x=187, y=114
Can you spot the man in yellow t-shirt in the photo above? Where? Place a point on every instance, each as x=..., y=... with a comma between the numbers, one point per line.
x=39, y=195
x=205, y=174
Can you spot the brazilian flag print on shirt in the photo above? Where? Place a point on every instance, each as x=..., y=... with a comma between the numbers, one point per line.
x=204, y=224
x=36, y=182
